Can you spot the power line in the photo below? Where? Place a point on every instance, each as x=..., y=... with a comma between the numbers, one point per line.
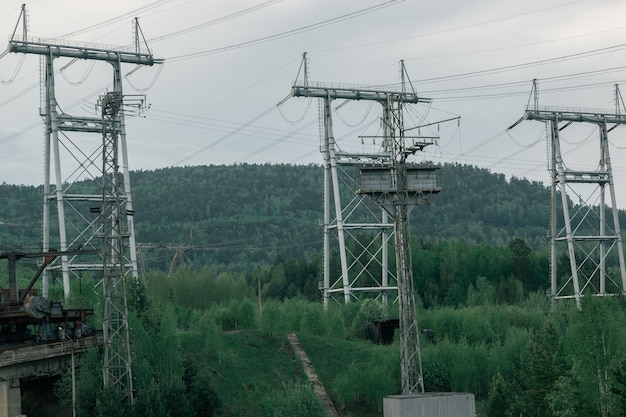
x=215, y=21
x=578, y=55
x=259, y=132
x=439, y=32
x=116, y=19
x=524, y=82
x=291, y=32
x=228, y=135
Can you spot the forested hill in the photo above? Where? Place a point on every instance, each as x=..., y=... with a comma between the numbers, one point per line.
x=281, y=205
x=244, y=213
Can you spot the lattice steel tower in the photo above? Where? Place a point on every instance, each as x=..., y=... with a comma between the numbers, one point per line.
x=105, y=163
x=363, y=235
x=397, y=188
x=395, y=185
x=589, y=232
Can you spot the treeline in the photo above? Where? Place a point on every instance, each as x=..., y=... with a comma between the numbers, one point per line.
x=447, y=273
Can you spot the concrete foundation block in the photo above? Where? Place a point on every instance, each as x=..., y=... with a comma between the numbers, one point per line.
x=430, y=404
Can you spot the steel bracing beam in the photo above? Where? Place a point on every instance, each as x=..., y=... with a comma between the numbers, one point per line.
x=356, y=93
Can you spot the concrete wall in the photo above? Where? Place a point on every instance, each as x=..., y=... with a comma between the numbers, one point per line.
x=10, y=399
x=432, y=404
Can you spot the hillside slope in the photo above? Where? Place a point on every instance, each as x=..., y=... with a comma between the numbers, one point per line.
x=251, y=213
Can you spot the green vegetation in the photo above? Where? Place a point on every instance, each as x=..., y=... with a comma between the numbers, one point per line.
x=220, y=212
x=218, y=360
x=202, y=347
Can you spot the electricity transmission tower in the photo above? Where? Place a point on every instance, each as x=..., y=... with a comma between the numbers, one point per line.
x=180, y=249
x=395, y=185
x=396, y=188
x=114, y=216
x=106, y=164
x=588, y=232
x=363, y=235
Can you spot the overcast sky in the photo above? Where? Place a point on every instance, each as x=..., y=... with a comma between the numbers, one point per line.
x=229, y=63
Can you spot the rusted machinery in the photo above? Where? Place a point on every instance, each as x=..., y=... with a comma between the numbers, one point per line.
x=27, y=315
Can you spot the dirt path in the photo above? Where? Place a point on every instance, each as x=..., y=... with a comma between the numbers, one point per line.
x=312, y=375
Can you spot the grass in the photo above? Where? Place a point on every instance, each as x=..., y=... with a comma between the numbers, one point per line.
x=331, y=356
x=248, y=366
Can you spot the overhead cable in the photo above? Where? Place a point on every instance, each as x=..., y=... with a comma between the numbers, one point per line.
x=291, y=32
x=214, y=21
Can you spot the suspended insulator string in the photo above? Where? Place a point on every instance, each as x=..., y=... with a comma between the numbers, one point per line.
x=17, y=68
x=82, y=80
x=150, y=84
x=299, y=119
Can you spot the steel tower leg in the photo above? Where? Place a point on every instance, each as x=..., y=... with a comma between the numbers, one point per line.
x=616, y=224
x=565, y=206
x=46, y=74
x=328, y=124
x=385, y=258
x=410, y=353
x=553, y=227
x=128, y=206
x=52, y=127
x=117, y=358
x=327, y=176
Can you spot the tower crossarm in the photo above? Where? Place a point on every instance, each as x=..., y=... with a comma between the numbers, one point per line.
x=545, y=114
x=356, y=93
x=81, y=51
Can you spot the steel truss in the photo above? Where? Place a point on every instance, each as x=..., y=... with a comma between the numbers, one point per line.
x=589, y=233
x=385, y=179
x=363, y=242
x=362, y=233
x=75, y=224
x=115, y=233
x=98, y=210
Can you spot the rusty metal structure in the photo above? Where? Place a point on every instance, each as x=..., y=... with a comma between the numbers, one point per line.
x=25, y=315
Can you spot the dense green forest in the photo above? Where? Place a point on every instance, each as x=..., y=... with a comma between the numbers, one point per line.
x=251, y=219
x=202, y=346
x=246, y=213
